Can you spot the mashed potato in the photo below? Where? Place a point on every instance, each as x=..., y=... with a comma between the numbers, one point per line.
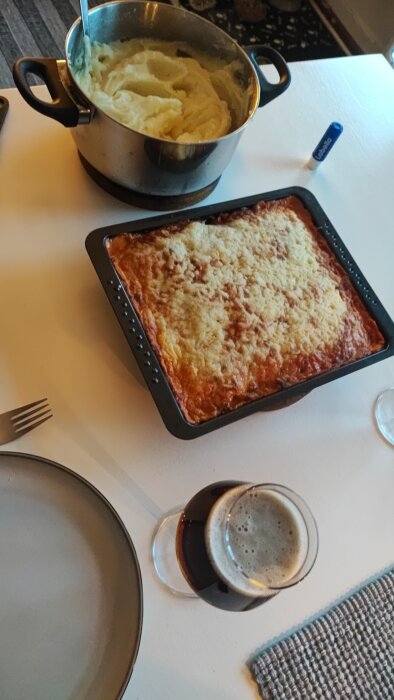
x=158, y=88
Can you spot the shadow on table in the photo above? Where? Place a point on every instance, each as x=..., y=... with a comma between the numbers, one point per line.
x=62, y=295
x=57, y=337
x=55, y=158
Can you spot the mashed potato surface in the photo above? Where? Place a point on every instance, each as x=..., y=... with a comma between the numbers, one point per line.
x=159, y=88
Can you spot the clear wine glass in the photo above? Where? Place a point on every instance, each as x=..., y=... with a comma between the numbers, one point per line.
x=384, y=414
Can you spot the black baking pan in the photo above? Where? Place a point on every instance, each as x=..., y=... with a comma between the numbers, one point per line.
x=145, y=356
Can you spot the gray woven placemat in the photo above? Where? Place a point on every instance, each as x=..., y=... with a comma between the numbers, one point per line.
x=345, y=654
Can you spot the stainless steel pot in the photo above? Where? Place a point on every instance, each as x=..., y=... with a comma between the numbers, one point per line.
x=126, y=157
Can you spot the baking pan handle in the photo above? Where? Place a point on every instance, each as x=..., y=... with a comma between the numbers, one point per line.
x=62, y=108
x=268, y=91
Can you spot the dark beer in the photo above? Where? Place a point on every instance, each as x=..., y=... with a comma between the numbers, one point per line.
x=224, y=572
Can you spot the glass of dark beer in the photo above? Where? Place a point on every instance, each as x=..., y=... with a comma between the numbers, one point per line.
x=237, y=544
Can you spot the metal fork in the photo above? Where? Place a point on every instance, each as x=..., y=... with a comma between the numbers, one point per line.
x=14, y=424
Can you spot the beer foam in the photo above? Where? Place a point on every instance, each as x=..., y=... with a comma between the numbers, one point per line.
x=265, y=543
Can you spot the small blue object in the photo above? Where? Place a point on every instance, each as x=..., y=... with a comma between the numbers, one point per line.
x=325, y=144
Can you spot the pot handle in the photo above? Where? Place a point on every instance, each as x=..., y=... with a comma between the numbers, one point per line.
x=62, y=108
x=268, y=91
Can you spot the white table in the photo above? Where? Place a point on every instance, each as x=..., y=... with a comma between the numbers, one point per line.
x=60, y=338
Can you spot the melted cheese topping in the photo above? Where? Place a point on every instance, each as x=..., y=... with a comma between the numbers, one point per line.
x=243, y=306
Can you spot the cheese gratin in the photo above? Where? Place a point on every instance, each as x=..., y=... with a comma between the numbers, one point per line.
x=243, y=305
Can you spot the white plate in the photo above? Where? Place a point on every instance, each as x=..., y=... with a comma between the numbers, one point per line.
x=70, y=587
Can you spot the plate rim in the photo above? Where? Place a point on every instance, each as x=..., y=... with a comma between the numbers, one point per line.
x=26, y=455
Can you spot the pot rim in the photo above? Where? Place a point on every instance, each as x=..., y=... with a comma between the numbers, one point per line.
x=176, y=10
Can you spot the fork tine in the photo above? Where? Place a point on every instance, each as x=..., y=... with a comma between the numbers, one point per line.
x=32, y=426
x=29, y=415
x=30, y=421
x=22, y=409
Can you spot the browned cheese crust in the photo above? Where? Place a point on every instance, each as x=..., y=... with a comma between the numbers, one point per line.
x=242, y=305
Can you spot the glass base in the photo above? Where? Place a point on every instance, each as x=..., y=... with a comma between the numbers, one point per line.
x=164, y=555
x=384, y=414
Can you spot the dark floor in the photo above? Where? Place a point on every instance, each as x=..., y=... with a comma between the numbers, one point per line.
x=298, y=36
x=39, y=27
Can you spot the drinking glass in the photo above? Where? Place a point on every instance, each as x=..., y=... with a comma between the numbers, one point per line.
x=384, y=414
x=236, y=544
